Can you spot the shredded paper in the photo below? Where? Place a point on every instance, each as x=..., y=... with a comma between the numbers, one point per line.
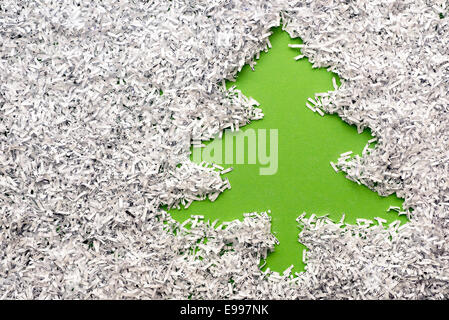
x=100, y=102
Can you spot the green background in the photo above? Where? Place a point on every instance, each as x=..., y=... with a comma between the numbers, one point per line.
x=305, y=181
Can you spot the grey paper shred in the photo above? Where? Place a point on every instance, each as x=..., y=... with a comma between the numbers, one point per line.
x=100, y=102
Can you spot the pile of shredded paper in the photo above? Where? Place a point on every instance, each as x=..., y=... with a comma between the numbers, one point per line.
x=100, y=102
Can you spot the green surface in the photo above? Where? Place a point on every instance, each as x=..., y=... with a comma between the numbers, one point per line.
x=305, y=181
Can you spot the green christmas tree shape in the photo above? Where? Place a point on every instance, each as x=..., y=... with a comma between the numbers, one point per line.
x=307, y=142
